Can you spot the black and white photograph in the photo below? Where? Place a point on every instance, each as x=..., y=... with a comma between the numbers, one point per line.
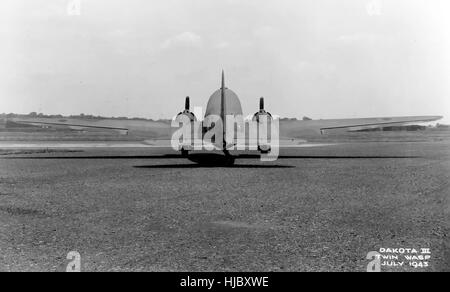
x=224, y=143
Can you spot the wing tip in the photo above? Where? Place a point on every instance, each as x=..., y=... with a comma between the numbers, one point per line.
x=432, y=118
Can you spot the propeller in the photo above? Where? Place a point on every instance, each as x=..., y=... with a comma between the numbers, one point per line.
x=187, y=104
x=186, y=111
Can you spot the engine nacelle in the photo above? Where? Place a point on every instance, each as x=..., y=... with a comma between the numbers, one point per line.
x=262, y=116
x=261, y=112
x=185, y=148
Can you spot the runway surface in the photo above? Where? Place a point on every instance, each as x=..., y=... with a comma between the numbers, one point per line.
x=315, y=209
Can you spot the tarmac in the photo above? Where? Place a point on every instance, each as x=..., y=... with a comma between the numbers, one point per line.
x=143, y=209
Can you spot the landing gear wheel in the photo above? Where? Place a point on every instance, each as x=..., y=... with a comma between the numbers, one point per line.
x=229, y=161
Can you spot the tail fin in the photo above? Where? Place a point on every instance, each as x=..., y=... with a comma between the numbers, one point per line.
x=222, y=109
x=223, y=80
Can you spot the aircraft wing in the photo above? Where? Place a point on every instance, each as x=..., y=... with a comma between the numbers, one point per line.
x=152, y=129
x=298, y=128
x=163, y=130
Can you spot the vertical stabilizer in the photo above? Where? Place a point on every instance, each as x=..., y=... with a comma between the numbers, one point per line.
x=222, y=109
x=223, y=80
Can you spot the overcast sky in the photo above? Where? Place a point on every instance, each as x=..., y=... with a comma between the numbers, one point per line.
x=319, y=58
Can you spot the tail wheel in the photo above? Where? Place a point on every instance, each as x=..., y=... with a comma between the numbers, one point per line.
x=229, y=161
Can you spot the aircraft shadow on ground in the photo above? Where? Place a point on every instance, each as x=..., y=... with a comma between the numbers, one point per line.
x=217, y=160
x=205, y=160
x=175, y=166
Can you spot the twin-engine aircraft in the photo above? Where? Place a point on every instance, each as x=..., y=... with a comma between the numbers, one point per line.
x=216, y=131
